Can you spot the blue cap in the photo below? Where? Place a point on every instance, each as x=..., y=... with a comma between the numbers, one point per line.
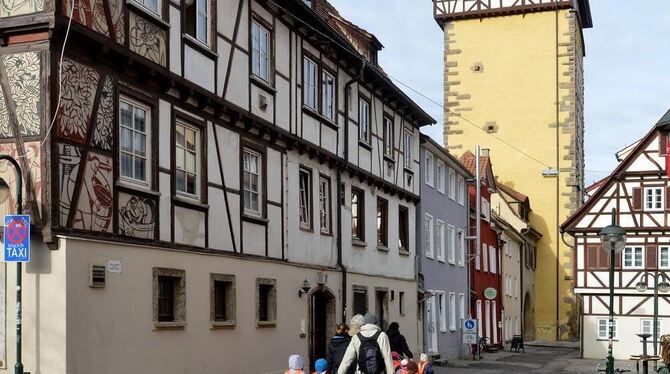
x=321, y=365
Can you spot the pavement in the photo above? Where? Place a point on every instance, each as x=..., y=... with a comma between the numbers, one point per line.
x=538, y=358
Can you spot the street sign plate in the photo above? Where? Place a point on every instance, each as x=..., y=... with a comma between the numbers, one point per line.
x=17, y=238
x=469, y=338
x=490, y=293
x=469, y=326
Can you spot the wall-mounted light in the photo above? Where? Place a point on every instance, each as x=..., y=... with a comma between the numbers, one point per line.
x=304, y=288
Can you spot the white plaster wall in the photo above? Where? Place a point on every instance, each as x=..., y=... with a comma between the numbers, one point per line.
x=189, y=227
x=267, y=113
x=175, y=41
x=626, y=344
x=198, y=68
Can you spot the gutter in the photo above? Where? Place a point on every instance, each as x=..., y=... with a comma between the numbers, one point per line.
x=340, y=192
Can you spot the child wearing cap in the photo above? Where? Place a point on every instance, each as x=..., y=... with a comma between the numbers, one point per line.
x=321, y=366
x=425, y=367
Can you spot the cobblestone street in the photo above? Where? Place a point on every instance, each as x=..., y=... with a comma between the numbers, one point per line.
x=535, y=360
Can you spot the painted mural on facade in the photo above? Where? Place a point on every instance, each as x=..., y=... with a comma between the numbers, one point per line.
x=147, y=40
x=7, y=172
x=24, y=76
x=91, y=13
x=69, y=158
x=137, y=216
x=11, y=8
x=78, y=88
x=102, y=134
x=94, y=209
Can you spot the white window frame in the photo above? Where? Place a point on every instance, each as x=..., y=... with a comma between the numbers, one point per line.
x=650, y=328
x=452, y=311
x=478, y=262
x=606, y=324
x=259, y=191
x=461, y=305
x=443, y=311
x=461, y=247
x=428, y=231
x=439, y=229
x=156, y=11
x=197, y=155
x=310, y=83
x=452, y=184
x=304, y=198
x=486, y=209
x=493, y=260
x=364, y=130
x=654, y=198
x=480, y=319
x=665, y=249
x=328, y=94
x=324, y=205
x=407, y=149
x=451, y=244
x=631, y=253
x=428, y=169
x=485, y=252
x=439, y=176
x=461, y=190
x=388, y=136
x=257, y=33
x=146, y=182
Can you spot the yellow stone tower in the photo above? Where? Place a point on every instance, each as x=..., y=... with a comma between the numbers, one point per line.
x=513, y=83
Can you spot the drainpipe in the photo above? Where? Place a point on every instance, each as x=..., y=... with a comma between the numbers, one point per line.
x=340, y=192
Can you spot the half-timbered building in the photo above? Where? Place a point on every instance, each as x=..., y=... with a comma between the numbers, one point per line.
x=231, y=176
x=638, y=192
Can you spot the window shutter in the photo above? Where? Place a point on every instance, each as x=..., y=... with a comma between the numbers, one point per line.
x=603, y=258
x=667, y=198
x=662, y=140
x=637, y=198
x=617, y=261
x=592, y=257
x=651, y=257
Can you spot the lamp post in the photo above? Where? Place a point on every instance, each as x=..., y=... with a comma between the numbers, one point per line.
x=660, y=285
x=613, y=237
x=4, y=194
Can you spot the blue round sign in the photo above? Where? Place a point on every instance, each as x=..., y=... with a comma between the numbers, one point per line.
x=470, y=324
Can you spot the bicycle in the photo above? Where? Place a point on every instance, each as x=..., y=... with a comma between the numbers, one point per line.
x=478, y=349
x=616, y=370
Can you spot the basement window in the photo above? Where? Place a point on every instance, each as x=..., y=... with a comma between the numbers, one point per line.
x=169, y=298
x=222, y=297
x=266, y=302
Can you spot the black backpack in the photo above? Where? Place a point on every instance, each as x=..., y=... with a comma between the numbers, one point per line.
x=370, y=359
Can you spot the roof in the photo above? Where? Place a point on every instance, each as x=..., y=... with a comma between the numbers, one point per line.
x=665, y=120
x=468, y=160
x=595, y=185
x=427, y=139
x=516, y=195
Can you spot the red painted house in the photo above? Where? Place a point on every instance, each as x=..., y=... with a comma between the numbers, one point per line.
x=485, y=264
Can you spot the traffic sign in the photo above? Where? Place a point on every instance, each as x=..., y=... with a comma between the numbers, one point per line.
x=470, y=326
x=17, y=238
x=490, y=293
x=469, y=338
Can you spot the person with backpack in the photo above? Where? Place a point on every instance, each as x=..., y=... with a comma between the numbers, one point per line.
x=398, y=341
x=337, y=347
x=369, y=349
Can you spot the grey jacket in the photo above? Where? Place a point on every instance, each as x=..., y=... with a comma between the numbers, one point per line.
x=351, y=355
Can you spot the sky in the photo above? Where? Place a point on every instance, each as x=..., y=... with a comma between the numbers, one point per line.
x=627, y=66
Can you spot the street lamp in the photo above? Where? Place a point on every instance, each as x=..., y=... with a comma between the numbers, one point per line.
x=4, y=194
x=613, y=237
x=660, y=285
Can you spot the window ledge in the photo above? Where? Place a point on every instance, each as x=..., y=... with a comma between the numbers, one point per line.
x=215, y=325
x=200, y=46
x=255, y=219
x=266, y=323
x=306, y=229
x=326, y=233
x=155, y=18
x=382, y=248
x=389, y=158
x=358, y=243
x=123, y=183
x=175, y=325
x=190, y=202
x=607, y=339
x=365, y=145
x=404, y=252
x=408, y=170
x=258, y=81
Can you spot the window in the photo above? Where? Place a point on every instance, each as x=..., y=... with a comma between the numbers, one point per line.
x=486, y=210
x=388, y=136
x=664, y=257
x=429, y=169
x=403, y=228
x=439, y=239
x=461, y=305
x=653, y=198
x=485, y=252
x=169, y=297
x=363, y=120
x=477, y=258
x=452, y=184
x=443, y=311
x=328, y=95
x=461, y=247
x=357, y=214
x=460, y=190
x=382, y=222
x=360, y=300
x=266, y=301
x=309, y=84
x=452, y=311
x=407, y=149
x=252, y=182
x=494, y=260
x=305, y=180
x=401, y=303
x=633, y=258
x=603, y=329
x=196, y=23
x=647, y=327
x=152, y=5
x=222, y=296
x=187, y=160
x=324, y=204
x=439, y=176
x=451, y=244
x=428, y=234
x=261, y=48
x=134, y=127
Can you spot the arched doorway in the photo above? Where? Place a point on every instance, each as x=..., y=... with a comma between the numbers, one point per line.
x=528, y=317
x=322, y=323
